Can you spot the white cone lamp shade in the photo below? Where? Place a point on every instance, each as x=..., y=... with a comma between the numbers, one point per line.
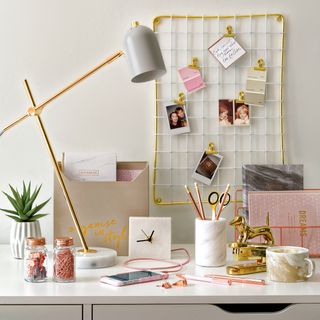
x=144, y=54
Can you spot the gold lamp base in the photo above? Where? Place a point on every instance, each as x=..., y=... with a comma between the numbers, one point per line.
x=87, y=251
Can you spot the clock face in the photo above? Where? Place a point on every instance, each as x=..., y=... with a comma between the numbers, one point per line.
x=150, y=237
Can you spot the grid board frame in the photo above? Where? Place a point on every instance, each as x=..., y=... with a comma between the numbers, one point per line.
x=176, y=156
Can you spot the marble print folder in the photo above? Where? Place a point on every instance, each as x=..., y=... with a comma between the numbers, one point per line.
x=270, y=178
x=83, y=166
x=289, y=209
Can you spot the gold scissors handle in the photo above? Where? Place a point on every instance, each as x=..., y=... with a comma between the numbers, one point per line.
x=218, y=198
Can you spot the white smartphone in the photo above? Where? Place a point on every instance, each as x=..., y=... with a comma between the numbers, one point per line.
x=124, y=279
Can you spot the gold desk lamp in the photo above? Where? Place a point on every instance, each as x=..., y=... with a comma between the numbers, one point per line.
x=146, y=63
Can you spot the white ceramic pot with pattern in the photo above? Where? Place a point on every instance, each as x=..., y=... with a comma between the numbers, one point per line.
x=19, y=232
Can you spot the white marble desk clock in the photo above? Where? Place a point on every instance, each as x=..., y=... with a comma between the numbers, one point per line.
x=150, y=237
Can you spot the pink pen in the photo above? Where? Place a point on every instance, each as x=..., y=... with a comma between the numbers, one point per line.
x=205, y=279
x=236, y=279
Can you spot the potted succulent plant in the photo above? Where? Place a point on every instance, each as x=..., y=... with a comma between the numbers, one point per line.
x=25, y=215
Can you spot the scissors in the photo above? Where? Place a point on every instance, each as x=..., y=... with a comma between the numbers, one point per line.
x=218, y=199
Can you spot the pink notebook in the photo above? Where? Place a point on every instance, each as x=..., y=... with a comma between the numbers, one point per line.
x=288, y=208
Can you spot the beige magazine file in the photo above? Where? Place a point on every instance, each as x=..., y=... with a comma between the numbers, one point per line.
x=104, y=208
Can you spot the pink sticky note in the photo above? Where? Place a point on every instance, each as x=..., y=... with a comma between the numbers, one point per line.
x=192, y=79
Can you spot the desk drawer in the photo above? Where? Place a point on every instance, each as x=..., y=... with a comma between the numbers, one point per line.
x=197, y=312
x=40, y=312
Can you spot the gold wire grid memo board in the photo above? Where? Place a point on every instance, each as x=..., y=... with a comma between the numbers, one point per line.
x=175, y=156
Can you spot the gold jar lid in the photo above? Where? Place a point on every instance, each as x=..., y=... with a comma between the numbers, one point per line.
x=64, y=241
x=31, y=241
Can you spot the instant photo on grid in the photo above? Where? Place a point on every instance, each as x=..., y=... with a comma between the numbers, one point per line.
x=241, y=114
x=207, y=168
x=177, y=119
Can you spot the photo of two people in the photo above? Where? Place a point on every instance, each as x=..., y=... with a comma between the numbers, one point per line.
x=232, y=112
x=177, y=119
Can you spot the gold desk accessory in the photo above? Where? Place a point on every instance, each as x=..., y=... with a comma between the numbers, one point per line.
x=180, y=100
x=146, y=63
x=242, y=250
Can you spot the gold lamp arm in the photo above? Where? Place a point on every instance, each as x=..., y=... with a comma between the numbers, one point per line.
x=147, y=64
x=108, y=60
x=35, y=110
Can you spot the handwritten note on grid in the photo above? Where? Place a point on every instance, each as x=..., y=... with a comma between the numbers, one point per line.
x=227, y=51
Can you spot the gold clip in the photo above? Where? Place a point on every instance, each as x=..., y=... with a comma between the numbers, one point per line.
x=241, y=97
x=211, y=149
x=260, y=66
x=194, y=64
x=180, y=101
x=229, y=32
x=134, y=24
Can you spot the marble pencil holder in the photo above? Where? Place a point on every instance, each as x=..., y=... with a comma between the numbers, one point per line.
x=211, y=242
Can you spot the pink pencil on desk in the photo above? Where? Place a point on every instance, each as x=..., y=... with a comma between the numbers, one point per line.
x=205, y=279
x=236, y=279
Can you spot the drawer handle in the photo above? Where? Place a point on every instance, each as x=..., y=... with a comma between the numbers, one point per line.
x=253, y=307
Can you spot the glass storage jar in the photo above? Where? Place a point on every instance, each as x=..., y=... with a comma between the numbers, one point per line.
x=64, y=260
x=35, y=261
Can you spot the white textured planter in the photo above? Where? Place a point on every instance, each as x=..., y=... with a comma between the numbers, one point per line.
x=19, y=232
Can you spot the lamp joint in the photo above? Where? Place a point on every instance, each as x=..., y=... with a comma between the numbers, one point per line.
x=32, y=111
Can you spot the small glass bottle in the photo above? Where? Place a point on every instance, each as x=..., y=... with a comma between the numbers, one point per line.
x=35, y=261
x=64, y=260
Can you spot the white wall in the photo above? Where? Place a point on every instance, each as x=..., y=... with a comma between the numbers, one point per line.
x=52, y=42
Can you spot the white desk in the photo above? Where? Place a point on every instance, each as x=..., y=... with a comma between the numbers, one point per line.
x=88, y=299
